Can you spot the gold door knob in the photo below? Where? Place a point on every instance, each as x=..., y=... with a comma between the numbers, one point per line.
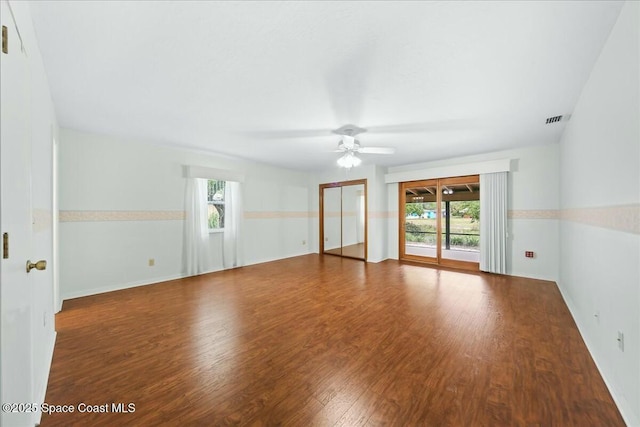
x=40, y=265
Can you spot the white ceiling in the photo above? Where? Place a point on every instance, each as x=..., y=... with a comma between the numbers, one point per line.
x=268, y=80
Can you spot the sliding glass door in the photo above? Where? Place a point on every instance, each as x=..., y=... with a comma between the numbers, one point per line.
x=440, y=221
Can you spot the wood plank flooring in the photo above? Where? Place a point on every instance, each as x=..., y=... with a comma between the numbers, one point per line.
x=323, y=340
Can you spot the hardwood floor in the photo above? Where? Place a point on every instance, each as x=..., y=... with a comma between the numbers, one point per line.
x=323, y=340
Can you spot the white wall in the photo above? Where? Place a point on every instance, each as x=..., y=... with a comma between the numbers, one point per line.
x=533, y=207
x=121, y=203
x=378, y=216
x=600, y=229
x=276, y=223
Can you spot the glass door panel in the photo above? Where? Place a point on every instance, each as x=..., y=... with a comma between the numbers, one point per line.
x=460, y=206
x=353, y=215
x=419, y=221
x=332, y=207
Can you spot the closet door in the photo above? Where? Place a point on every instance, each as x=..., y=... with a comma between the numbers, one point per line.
x=343, y=219
x=332, y=220
x=353, y=218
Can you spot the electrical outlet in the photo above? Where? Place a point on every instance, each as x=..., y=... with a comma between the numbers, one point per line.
x=152, y=262
x=620, y=341
x=529, y=254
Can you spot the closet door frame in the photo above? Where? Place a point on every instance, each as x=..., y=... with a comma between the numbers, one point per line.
x=321, y=215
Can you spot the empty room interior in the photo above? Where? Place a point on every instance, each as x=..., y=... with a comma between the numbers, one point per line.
x=301, y=213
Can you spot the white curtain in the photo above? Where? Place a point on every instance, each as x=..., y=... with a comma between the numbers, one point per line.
x=196, y=253
x=493, y=222
x=232, y=246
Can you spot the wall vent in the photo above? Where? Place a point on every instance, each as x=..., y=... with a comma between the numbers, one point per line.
x=553, y=119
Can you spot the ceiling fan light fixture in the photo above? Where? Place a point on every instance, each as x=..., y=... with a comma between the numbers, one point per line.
x=348, y=141
x=349, y=160
x=350, y=146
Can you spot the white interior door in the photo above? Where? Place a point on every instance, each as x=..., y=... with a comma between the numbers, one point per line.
x=16, y=288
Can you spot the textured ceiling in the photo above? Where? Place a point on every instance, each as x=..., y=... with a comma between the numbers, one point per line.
x=268, y=80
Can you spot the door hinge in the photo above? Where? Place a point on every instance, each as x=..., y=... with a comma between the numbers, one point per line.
x=5, y=245
x=5, y=40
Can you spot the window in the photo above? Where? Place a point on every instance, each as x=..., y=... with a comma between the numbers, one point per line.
x=215, y=204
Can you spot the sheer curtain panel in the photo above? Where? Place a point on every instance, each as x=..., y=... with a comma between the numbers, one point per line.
x=232, y=245
x=493, y=222
x=196, y=254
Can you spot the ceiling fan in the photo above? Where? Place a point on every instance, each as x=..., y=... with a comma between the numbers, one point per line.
x=350, y=146
x=346, y=86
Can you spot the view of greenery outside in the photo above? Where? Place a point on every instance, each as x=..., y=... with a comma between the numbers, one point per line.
x=215, y=201
x=420, y=225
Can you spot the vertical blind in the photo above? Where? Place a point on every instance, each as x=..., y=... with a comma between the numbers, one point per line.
x=493, y=227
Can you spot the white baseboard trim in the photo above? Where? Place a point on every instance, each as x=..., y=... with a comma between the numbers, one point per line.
x=152, y=281
x=111, y=288
x=623, y=405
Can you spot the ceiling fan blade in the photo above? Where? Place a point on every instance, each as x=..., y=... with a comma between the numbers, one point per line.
x=376, y=150
x=434, y=126
x=286, y=133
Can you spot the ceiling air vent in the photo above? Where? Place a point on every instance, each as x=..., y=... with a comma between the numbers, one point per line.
x=553, y=119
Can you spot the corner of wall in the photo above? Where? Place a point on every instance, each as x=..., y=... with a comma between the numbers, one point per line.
x=599, y=194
